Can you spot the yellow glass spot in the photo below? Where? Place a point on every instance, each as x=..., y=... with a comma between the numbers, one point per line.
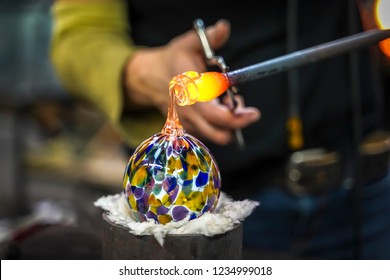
x=164, y=219
x=139, y=176
x=125, y=179
x=152, y=200
x=166, y=201
x=197, y=202
x=132, y=202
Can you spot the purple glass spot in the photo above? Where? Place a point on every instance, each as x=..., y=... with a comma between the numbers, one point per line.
x=138, y=155
x=143, y=204
x=179, y=213
x=151, y=215
x=169, y=151
x=217, y=181
x=209, y=205
x=138, y=192
x=173, y=194
x=161, y=210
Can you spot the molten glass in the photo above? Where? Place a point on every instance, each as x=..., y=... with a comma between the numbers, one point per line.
x=191, y=87
x=382, y=16
x=172, y=175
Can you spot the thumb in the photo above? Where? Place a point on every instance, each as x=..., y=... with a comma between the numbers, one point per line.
x=218, y=33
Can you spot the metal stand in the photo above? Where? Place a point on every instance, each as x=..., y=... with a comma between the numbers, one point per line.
x=118, y=243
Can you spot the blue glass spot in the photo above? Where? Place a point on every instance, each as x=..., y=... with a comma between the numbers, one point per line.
x=187, y=182
x=138, y=155
x=172, y=182
x=217, y=182
x=202, y=179
x=184, y=164
x=193, y=216
x=149, y=148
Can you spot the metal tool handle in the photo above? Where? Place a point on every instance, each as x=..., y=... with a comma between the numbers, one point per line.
x=200, y=29
x=213, y=60
x=306, y=56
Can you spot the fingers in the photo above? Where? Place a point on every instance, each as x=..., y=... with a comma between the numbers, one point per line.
x=218, y=34
x=220, y=116
x=195, y=124
x=214, y=122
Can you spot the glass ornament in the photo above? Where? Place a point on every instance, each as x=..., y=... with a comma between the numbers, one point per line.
x=172, y=175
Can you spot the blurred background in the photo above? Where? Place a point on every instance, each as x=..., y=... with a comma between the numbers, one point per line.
x=57, y=157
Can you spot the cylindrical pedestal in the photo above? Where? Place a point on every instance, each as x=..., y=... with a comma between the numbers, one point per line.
x=118, y=243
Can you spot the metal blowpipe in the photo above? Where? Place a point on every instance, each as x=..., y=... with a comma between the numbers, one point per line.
x=306, y=56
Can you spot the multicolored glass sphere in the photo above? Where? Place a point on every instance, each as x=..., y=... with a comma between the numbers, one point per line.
x=170, y=178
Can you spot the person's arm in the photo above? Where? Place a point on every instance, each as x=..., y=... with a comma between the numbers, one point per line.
x=90, y=46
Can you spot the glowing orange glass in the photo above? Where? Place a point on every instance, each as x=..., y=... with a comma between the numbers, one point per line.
x=191, y=87
x=382, y=16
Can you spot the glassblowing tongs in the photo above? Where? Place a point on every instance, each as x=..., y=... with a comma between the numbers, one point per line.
x=216, y=60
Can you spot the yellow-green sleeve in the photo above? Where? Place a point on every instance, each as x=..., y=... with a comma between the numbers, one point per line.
x=90, y=46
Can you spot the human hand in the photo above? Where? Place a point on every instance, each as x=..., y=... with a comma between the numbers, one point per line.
x=149, y=71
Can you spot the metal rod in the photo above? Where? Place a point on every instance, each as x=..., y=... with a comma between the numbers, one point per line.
x=306, y=56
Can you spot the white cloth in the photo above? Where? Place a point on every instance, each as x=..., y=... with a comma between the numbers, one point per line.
x=227, y=214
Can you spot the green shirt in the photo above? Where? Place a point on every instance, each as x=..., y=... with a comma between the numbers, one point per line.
x=89, y=49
